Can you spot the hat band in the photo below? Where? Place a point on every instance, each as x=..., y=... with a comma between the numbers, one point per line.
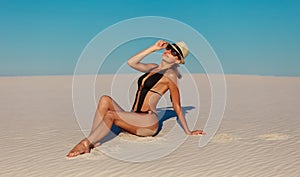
x=179, y=50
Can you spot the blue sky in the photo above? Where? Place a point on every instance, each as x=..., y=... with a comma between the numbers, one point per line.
x=259, y=37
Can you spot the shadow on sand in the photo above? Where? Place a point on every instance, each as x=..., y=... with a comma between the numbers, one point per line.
x=164, y=114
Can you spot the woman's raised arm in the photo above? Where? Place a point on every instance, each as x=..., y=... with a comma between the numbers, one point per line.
x=135, y=61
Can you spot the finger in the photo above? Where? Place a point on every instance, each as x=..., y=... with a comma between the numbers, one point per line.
x=164, y=45
x=198, y=132
x=158, y=43
x=202, y=132
x=195, y=133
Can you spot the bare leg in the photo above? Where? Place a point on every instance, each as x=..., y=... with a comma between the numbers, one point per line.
x=135, y=123
x=106, y=103
x=83, y=147
x=102, y=129
x=108, y=113
x=87, y=144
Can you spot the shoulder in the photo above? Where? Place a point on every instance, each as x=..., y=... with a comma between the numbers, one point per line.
x=171, y=76
x=151, y=66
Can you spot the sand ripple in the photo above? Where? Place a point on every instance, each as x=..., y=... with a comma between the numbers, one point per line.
x=38, y=128
x=274, y=137
x=130, y=137
x=224, y=138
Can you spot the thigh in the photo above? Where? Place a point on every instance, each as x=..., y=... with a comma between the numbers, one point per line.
x=116, y=106
x=109, y=103
x=136, y=123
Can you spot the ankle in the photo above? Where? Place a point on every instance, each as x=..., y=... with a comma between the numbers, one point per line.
x=88, y=143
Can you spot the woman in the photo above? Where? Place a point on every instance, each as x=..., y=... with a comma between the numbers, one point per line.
x=143, y=119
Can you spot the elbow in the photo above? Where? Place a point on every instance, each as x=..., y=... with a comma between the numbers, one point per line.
x=129, y=63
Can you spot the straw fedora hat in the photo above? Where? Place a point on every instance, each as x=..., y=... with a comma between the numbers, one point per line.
x=182, y=49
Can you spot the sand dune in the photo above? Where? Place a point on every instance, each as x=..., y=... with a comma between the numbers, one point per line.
x=259, y=134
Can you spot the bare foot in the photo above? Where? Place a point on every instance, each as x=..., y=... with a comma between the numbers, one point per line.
x=83, y=147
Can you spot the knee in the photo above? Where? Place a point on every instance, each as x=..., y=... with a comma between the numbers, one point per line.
x=109, y=115
x=105, y=98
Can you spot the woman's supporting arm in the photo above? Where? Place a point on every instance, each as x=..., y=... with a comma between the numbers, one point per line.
x=175, y=96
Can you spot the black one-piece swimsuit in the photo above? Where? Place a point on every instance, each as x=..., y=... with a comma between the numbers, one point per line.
x=144, y=88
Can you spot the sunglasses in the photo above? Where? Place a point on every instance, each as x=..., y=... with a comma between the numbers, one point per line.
x=173, y=51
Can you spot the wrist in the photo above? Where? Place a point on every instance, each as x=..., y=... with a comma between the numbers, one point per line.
x=155, y=48
x=188, y=132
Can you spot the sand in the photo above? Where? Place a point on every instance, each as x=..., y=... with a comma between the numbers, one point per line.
x=259, y=134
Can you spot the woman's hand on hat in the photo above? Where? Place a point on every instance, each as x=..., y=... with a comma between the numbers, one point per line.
x=160, y=44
